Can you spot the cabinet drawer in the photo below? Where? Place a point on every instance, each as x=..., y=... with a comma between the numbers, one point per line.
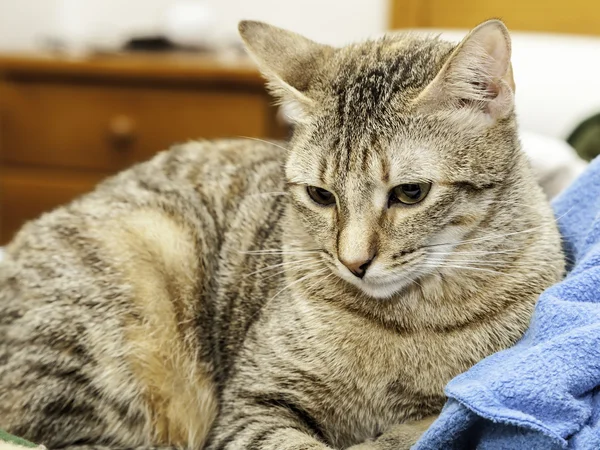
x=27, y=193
x=110, y=126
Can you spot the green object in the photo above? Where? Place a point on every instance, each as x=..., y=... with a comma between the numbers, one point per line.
x=4, y=436
x=586, y=138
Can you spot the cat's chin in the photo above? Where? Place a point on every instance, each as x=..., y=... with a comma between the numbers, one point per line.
x=383, y=290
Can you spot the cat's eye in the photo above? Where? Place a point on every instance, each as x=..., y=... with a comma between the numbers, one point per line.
x=320, y=196
x=409, y=193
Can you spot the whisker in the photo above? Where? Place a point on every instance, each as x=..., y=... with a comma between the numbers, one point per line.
x=469, y=268
x=319, y=281
x=262, y=140
x=495, y=264
x=296, y=282
x=511, y=202
x=274, y=266
x=267, y=194
x=496, y=236
x=306, y=266
x=475, y=261
x=516, y=264
x=289, y=248
x=262, y=308
x=486, y=238
x=411, y=280
x=477, y=252
x=277, y=252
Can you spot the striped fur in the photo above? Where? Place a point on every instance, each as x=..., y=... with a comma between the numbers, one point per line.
x=197, y=300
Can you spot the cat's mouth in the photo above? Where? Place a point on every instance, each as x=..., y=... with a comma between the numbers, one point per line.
x=380, y=283
x=383, y=289
x=400, y=271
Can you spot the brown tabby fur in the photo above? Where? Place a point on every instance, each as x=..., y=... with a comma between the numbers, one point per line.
x=198, y=300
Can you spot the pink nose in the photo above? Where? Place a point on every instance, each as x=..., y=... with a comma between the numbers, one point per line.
x=358, y=267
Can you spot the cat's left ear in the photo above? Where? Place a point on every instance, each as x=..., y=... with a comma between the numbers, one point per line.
x=289, y=61
x=478, y=74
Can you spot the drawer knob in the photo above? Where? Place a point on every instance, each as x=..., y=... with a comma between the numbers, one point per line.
x=121, y=130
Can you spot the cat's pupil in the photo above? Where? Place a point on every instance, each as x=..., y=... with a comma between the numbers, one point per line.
x=409, y=193
x=412, y=190
x=320, y=195
x=324, y=194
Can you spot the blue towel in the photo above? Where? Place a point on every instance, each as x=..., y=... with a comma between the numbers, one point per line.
x=543, y=393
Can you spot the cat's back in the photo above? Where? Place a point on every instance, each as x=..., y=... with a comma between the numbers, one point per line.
x=211, y=179
x=115, y=292
x=181, y=210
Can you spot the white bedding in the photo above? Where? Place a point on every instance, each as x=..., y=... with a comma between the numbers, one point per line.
x=555, y=162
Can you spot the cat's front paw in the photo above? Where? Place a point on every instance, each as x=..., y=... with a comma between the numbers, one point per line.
x=370, y=445
x=399, y=437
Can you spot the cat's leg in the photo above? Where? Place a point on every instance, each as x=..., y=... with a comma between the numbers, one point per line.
x=268, y=425
x=108, y=355
x=53, y=403
x=117, y=447
x=398, y=437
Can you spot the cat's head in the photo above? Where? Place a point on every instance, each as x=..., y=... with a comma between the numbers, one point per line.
x=399, y=144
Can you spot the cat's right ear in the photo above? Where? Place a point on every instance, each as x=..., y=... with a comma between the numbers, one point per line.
x=290, y=63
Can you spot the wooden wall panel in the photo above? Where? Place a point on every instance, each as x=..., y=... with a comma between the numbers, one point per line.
x=25, y=193
x=559, y=16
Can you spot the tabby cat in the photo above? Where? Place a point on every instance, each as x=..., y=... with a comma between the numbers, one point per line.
x=313, y=295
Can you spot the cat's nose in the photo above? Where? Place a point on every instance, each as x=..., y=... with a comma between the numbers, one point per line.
x=359, y=266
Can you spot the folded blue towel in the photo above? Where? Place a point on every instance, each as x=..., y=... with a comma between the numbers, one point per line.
x=543, y=393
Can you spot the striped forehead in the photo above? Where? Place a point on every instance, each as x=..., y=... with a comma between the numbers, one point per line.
x=361, y=166
x=366, y=166
x=389, y=165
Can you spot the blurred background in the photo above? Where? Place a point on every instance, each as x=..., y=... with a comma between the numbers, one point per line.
x=89, y=87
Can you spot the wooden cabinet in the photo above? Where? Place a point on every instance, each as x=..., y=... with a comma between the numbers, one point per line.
x=66, y=124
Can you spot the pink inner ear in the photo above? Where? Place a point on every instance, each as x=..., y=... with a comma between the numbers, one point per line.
x=489, y=89
x=498, y=53
x=493, y=90
x=498, y=50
